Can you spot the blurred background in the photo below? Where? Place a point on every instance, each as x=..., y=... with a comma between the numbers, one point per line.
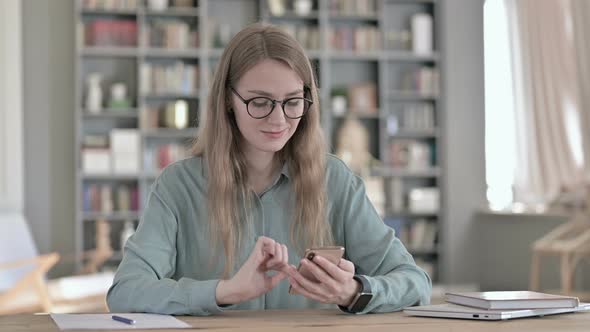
x=466, y=119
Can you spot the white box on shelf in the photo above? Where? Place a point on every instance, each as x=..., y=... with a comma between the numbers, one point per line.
x=424, y=200
x=96, y=161
x=126, y=163
x=125, y=151
x=125, y=140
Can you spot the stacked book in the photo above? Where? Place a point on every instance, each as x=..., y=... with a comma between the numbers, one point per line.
x=499, y=305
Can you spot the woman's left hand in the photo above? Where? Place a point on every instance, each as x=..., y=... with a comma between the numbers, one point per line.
x=336, y=284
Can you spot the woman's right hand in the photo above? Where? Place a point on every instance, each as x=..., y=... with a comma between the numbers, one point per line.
x=252, y=279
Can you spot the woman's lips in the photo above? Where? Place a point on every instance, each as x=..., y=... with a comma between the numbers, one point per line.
x=274, y=134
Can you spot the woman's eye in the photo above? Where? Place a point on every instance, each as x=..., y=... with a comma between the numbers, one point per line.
x=294, y=102
x=260, y=103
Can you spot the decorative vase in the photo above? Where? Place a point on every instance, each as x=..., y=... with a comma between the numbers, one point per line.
x=158, y=4
x=94, y=93
x=302, y=7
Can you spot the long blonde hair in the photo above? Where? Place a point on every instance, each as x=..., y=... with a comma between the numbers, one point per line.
x=220, y=140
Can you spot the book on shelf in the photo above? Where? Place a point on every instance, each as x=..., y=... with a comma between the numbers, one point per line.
x=180, y=77
x=424, y=200
x=362, y=97
x=307, y=36
x=174, y=114
x=400, y=228
x=107, y=198
x=422, y=235
x=410, y=154
x=359, y=39
x=374, y=187
x=416, y=235
x=110, y=4
x=352, y=7
x=423, y=81
x=500, y=300
x=182, y=3
x=110, y=32
x=411, y=117
x=95, y=154
x=170, y=34
x=157, y=157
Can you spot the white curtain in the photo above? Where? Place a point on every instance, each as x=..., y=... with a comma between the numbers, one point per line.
x=581, y=25
x=547, y=99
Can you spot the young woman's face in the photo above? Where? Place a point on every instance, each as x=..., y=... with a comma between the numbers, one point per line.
x=275, y=80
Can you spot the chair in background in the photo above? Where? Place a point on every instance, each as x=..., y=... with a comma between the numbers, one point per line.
x=23, y=283
x=570, y=241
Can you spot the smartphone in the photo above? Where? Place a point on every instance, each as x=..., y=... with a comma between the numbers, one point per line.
x=333, y=254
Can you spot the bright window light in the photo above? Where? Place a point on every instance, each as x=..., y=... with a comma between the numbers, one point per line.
x=500, y=136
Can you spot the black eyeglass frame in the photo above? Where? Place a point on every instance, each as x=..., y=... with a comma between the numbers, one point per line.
x=274, y=103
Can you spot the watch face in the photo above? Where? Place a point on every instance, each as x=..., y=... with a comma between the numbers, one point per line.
x=362, y=302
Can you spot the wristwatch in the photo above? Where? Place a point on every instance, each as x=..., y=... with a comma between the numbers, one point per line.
x=362, y=298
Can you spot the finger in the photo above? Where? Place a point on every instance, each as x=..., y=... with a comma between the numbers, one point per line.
x=320, y=274
x=309, y=285
x=299, y=289
x=290, y=270
x=285, y=255
x=332, y=269
x=268, y=246
x=277, y=259
x=346, y=265
x=274, y=280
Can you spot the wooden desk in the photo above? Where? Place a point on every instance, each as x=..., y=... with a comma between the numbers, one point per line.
x=332, y=320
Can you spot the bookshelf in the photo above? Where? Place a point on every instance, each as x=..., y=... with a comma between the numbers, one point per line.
x=405, y=117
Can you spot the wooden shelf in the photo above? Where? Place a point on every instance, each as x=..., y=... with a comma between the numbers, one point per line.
x=409, y=56
x=407, y=133
x=360, y=116
x=410, y=214
x=413, y=2
x=371, y=18
x=421, y=252
x=406, y=173
x=109, y=12
x=158, y=96
x=187, y=12
x=110, y=51
x=108, y=113
x=113, y=216
x=291, y=15
x=410, y=96
x=154, y=52
x=111, y=177
x=353, y=55
x=170, y=133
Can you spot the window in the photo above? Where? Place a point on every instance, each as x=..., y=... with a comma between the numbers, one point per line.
x=500, y=135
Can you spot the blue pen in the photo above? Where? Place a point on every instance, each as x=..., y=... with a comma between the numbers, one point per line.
x=124, y=320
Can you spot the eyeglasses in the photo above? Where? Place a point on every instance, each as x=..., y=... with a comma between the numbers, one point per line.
x=261, y=107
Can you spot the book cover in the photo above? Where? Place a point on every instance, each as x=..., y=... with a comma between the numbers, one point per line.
x=512, y=300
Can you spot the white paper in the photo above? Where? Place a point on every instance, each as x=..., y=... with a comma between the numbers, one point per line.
x=106, y=322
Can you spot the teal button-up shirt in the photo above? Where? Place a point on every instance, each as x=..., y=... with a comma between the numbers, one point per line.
x=167, y=266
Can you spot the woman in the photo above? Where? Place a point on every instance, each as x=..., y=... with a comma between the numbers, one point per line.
x=225, y=228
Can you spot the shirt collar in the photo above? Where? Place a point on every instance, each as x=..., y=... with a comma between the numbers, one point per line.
x=285, y=170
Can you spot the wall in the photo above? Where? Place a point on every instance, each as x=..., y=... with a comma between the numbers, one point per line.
x=11, y=119
x=48, y=41
x=464, y=159
x=504, y=255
